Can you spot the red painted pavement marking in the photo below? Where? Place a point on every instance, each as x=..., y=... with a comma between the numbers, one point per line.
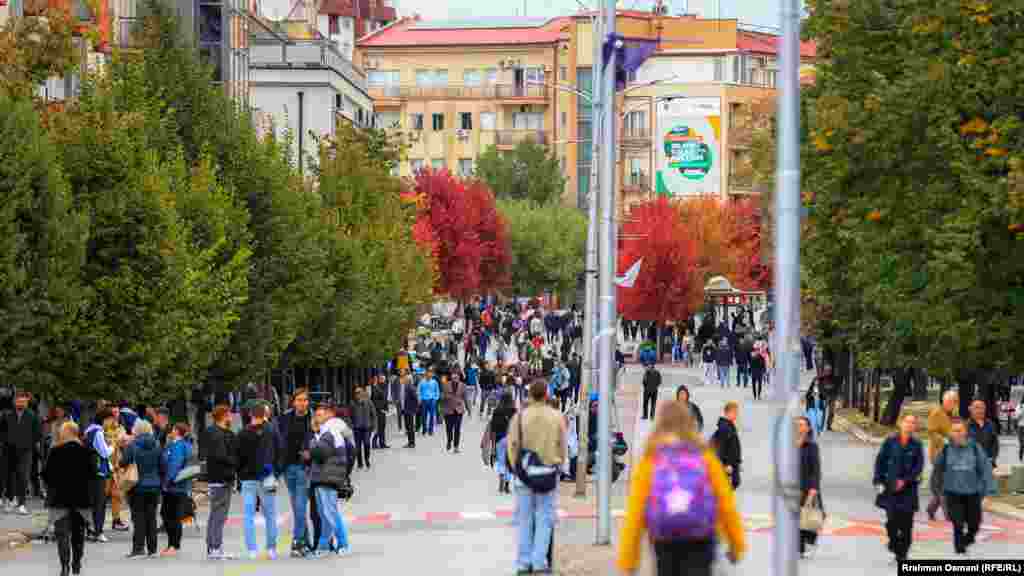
x=504, y=513
x=443, y=516
x=377, y=519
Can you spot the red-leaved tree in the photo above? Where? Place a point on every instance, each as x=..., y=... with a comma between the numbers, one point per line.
x=753, y=272
x=458, y=220
x=670, y=278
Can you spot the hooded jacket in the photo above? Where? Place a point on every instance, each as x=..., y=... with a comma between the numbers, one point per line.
x=329, y=454
x=256, y=453
x=221, y=455
x=727, y=444
x=175, y=458
x=145, y=453
x=965, y=469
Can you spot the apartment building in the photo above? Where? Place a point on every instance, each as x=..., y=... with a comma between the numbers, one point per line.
x=458, y=87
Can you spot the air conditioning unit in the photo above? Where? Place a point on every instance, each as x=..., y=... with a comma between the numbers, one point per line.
x=462, y=134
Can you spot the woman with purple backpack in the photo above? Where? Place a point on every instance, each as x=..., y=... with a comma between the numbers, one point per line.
x=681, y=496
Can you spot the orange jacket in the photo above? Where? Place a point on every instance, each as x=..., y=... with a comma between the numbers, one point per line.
x=729, y=522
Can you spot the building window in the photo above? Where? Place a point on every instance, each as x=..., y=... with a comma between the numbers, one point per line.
x=424, y=78
x=471, y=77
x=565, y=118
x=438, y=122
x=346, y=23
x=527, y=121
x=563, y=73
x=466, y=120
x=437, y=164
x=415, y=165
x=389, y=119
x=465, y=167
x=635, y=123
x=491, y=76
x=416, y=121
x=487, y=121
x=719, y=69
x=338, y=105
x=332, y=25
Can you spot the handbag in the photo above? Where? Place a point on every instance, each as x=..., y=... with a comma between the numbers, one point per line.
x=270, y=483
x=811, y=517
x=530, y=470
x=129, y=478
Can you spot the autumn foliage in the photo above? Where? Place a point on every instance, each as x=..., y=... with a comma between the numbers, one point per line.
x=458, y=220
x=683, y=245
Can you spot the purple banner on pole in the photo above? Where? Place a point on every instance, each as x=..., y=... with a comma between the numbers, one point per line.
x=631, y=52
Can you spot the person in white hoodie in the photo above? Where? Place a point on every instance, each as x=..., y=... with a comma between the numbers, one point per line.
x=329, y=473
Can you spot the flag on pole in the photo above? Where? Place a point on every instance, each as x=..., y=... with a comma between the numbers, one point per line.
x=632, y=52
x=628, y=279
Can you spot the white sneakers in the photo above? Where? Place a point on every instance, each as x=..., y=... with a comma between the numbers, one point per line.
x=23, y=511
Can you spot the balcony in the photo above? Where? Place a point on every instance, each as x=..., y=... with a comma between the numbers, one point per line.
x=508, y=139
x=636, y=183
x=128, y=29
x=636, y=137
x=296, y=54
x=514, y=92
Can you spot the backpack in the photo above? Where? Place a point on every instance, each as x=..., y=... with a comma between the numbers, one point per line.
x=682, y=504
x=90, y=443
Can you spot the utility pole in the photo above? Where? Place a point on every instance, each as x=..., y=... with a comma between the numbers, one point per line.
x=786, y=498
x=606, y=336
x=590, y=272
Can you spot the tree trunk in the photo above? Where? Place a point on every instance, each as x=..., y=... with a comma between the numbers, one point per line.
x=901, y=388
x=877, y=399
x=920, y=388
x=966, y=383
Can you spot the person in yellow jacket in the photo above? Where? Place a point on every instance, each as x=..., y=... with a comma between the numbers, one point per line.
x=674, y=425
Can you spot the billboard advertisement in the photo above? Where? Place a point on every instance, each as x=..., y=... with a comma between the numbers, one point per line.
x=688, y=142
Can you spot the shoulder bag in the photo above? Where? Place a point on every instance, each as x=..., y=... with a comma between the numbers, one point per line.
x=530, y=470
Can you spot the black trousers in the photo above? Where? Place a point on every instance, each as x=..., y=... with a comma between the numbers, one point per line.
x=453, y=429
x=69, y=532
x=362, y=446
x=19, y=466
x=410, y=427
x=314, y=513
x=382, y=427
x=689, y=557
x=807, y=538
x=900, y=528
x=99, y=504
x=757, y=382
x=964, y=511
x=650, y=402
x=171, y=512
x=143, y=506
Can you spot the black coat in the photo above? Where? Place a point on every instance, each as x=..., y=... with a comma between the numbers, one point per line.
x=65, y=468
x=20, y=434
x=256, y=453
x=329, y=462
x=652, y=380
x=898, y=462
x=221, y=455
x=410, y=399
x=810, y=470
x=727, y=444
x=986, y=437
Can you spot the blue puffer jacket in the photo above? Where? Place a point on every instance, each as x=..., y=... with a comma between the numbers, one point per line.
x=175, y=458
x=144, y=452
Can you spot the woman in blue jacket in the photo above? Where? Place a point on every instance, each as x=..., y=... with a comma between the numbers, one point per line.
x=897, y=475
x=175, y=494
x=145, y=453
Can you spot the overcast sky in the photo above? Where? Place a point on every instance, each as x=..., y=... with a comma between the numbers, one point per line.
x=761, y=12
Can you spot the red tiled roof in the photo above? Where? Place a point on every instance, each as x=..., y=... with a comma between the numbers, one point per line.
x=768, y=44
x=405, y=33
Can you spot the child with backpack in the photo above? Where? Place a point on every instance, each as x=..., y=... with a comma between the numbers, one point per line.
x=681, y=496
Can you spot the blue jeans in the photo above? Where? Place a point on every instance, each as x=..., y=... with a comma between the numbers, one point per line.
x=429, y=415
x=742, y=375
x=535, y=517
x=331, y=521
x=298, y=495
x=251, y=489
x=723, y=375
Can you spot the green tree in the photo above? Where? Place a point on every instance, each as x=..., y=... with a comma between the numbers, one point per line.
x=42, y=247
x=528, y=172
x=381, y=275
x=34, y=49
x=547, y=244
x=914, y=160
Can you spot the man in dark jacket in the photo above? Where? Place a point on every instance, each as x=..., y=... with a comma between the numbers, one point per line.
x=410, y=408
x=898, y=469
x=221, y=465
x=257, y=454
x=981, y=430
x=723, y=359
x=295, y=429
x=379, y=397
x=329, y=473
x=726, y=441
x=652, y=382
x=23, y=431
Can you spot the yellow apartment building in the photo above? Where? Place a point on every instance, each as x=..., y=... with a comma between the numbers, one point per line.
x=458, y=87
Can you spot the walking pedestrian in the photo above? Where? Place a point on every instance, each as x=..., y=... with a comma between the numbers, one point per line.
x=652, y=383
x=496, y=433
x=472, y=387
x=536, y=435
x=758, y=367
x=726, y=441
x=295, y=429
x=22, y=433
x=965, y=474
x=454, y=399
x=175, y=458
x=221, y=449
x=379, y=397
x=144, y=452
x=983, y=432
x=707, y=356
x=940, y=421
x=814, y=407
x=68, y=498
x=257, y=452
x=683, y=397
x=328, y=474
x=96, y=442
x=724, y=360
x=676, y=461
x=810, y=482
x=116, y=436
x=898, y=469
x=410, y=408
x=364, y=419
x=430, y=393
